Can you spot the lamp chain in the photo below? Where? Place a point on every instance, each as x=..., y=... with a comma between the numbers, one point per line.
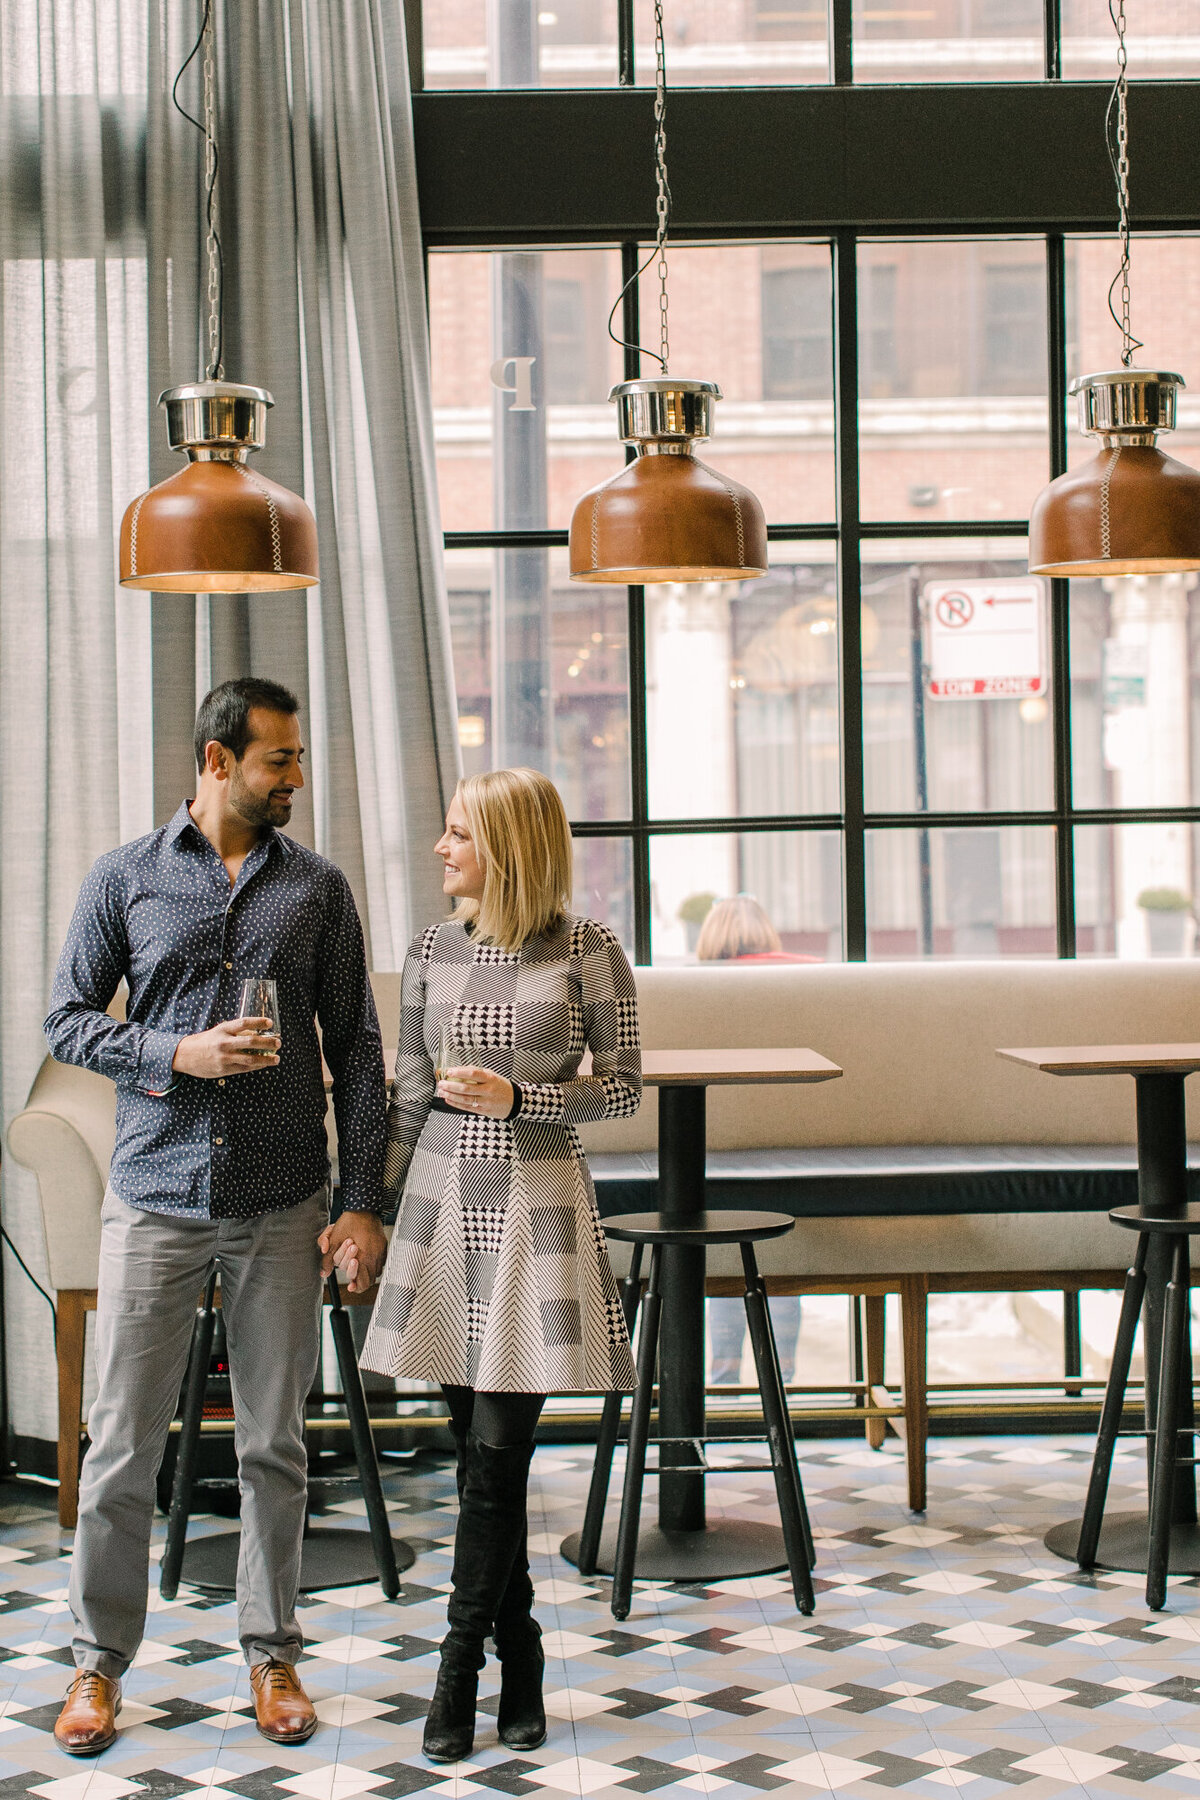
x=207, y=127
x=662, y=209
x=212, y=242
x=663, y=202
x=1117, y=136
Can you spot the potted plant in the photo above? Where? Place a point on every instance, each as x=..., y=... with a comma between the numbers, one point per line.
x=692, y=912
x=1167, y=911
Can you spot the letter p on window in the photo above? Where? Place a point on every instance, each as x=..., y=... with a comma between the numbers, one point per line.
x=521, y=385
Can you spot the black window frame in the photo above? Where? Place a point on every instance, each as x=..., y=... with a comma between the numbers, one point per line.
x=970, y=161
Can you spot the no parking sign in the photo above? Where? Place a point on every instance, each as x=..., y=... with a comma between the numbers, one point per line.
x=986, y=639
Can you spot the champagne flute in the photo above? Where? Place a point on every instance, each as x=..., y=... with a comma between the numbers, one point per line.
x=452, y=1052
x=260, y=1000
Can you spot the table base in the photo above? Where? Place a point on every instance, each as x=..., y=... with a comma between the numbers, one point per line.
x=330, y=1556
x=1125, y=1544
x=724, y=1549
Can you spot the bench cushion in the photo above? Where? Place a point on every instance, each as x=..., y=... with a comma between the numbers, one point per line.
x=897, y=1180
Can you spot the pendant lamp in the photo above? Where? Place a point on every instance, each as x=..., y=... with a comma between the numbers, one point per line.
x=216, y=526
x=1131, y=510
x=666, y=516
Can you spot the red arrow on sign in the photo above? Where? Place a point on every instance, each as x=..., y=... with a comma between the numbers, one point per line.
x=1009, y=600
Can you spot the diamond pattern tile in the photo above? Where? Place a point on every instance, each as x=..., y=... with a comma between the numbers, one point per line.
x=949, y=1654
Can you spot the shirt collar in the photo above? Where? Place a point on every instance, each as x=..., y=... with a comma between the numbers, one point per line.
x=183, y=820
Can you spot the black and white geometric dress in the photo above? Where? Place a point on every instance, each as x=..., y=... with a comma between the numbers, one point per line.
x=498, y=1277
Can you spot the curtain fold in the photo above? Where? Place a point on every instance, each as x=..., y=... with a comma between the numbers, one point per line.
x=101, y=307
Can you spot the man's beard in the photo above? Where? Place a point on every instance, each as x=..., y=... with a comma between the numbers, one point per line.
x=251, y=808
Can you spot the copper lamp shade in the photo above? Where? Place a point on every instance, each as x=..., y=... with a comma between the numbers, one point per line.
x=667, y=516
x=1132, y=510
x=215, y=527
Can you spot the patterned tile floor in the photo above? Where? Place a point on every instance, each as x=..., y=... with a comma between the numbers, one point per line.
x=948, y=1653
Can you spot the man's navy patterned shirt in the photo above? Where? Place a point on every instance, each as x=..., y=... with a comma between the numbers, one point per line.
x=160, y=915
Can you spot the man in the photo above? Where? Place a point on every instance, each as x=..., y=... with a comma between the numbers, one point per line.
x=221, y=1159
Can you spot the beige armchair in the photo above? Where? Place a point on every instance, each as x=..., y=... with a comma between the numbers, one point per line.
x=65, y=1135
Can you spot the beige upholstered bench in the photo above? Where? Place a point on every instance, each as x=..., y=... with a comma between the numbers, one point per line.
x=928, y=1128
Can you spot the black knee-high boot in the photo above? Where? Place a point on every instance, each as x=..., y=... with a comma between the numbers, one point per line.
x=521, y=1720
x=490, y=1521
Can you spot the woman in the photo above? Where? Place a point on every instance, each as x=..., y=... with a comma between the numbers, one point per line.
x=497, y=1283
x=740, y=930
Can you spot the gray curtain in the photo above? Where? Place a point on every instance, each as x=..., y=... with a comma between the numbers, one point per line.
x=100, y=308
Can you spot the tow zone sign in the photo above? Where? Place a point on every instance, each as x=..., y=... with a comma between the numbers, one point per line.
x=985, y=639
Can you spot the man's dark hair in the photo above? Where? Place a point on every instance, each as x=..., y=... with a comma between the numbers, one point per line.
x=224, y=715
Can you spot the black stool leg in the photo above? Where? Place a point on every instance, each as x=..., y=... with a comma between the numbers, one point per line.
x=783, y=1450
x=189, y=1441
x=363, y=1442
x=791, y=1466
x=639, y=1432
x=790, y=1462
x=1166, y=1433
x=1114, y=1403
x=606, y=1437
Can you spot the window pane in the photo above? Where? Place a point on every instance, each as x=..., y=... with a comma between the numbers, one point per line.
x=737, y=42
x=952, y=379
x=757, y=662
x=794, y=876
x=757, y=319
x=1163, y=41
x=1135, y=691
x=1165, y=284
x=604, y=885
x=561, y=653
x=975, y=891
x=522, y=364
x=1134, y=890
x=521, y=43
x=971, y=40
x=956, y=678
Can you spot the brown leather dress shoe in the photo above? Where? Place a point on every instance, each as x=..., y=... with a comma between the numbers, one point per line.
x=87, y=1723
x=282, y=1709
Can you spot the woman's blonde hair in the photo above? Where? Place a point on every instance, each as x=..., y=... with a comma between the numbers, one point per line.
x=523, y=840
x=737, y=927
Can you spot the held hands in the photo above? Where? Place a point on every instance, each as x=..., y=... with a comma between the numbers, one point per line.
x=356, y=1243
x=477, y=1091
x=234, y=1047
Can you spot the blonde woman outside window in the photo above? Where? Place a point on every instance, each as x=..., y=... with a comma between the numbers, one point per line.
x=739, y=930
x=497, y=1283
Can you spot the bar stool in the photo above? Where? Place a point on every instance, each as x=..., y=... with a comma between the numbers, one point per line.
x=330, y=1557
x=698, y=1232
x=1165, y=1284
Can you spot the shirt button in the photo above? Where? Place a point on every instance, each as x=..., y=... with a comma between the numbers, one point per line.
x=229, y=965
x=220, y=1081
x=219, y=1140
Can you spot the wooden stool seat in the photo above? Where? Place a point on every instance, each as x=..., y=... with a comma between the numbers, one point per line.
x=705, y=1228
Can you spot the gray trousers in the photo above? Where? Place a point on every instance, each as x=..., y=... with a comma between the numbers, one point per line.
x=152, y=1270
